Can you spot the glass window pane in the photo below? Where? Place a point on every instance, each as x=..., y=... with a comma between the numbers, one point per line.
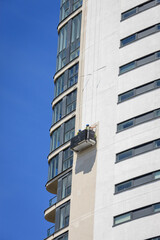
x=125, y=125
x=158, y=55
x=128, y=13
x=127, y=67
x=157, y=207
x=158, y=83
x=124, y=155
x=62, y=217
x=126, y=96
x=64, y=186
x=123, y=218
x=158, y=143
x=123, y=186
x=157, y=113
x=157, y=175
x=128, y=40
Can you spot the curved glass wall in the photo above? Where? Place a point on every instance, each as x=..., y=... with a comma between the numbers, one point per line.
x=57, y=112
x=66, y=80
x=69, y=42
x=67, y=7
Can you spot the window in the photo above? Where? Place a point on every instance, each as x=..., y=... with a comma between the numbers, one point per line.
x=139, y=62
x=55, y=139
x=141, y=34
x=124, y=155
x=53, y=168
x=66, y=186
x=125, y=125
x=128, y=13
x=62, y=44
x=66, y=80
x=122, y=218
x=139, y=8
x=64, y=215
x=128, y=40
x=138, y=120
x=69, y=129
x=64, y=236
x=157, y=207
x=139, y=90
x=67, y=7
x=138, y=213
x=76, y=4
x=71, y=101
x=123, y=186
x=73, y=75
x=57, y=112
x=75, y=37
x=69, y=42
x=138, y=181
x=59, y=86
x=138, y=150
x=157, y=175
x=64, y=9
x=127, y=67
x=67, y=158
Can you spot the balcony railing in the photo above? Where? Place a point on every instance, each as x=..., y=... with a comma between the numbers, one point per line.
x=52, y=201
x=50, y=231
x=83, y=140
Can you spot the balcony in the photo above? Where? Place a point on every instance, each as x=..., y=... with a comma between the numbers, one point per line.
x=50, y=212
x=83, y=140
x=50, y=231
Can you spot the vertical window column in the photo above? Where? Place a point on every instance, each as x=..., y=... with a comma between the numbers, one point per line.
x=69, y=129
x=75, y=37
x=62, y=45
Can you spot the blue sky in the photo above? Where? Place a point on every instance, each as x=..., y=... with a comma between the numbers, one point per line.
x=28, y=46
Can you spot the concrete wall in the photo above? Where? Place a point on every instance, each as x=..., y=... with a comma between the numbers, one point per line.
x=93, y=203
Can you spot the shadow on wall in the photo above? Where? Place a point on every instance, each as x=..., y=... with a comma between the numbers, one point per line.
x=85, y=160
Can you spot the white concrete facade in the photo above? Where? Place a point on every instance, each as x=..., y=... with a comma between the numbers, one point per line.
x=95, y=171
x=101, y=57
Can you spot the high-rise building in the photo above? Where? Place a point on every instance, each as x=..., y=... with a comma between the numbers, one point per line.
x=106, y=108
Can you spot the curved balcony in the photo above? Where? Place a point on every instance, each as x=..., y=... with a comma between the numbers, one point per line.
x=50, y=212
x=52, y=185
x=50, y=233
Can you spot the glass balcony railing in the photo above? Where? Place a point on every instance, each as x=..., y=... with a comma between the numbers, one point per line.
x=50, y=231
x=52, y=201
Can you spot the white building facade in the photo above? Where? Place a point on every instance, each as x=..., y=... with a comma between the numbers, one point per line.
x=108, y=76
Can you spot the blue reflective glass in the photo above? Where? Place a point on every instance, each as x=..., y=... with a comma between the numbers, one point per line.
x=158, y=54
x=123, y=186
x=127, y=67
x=158, y=83
x=158, y=143
x=128, y=13
x=126, y=96
x=124, y=155
x=128, y=40
x=128, y=124
x=157, y=207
